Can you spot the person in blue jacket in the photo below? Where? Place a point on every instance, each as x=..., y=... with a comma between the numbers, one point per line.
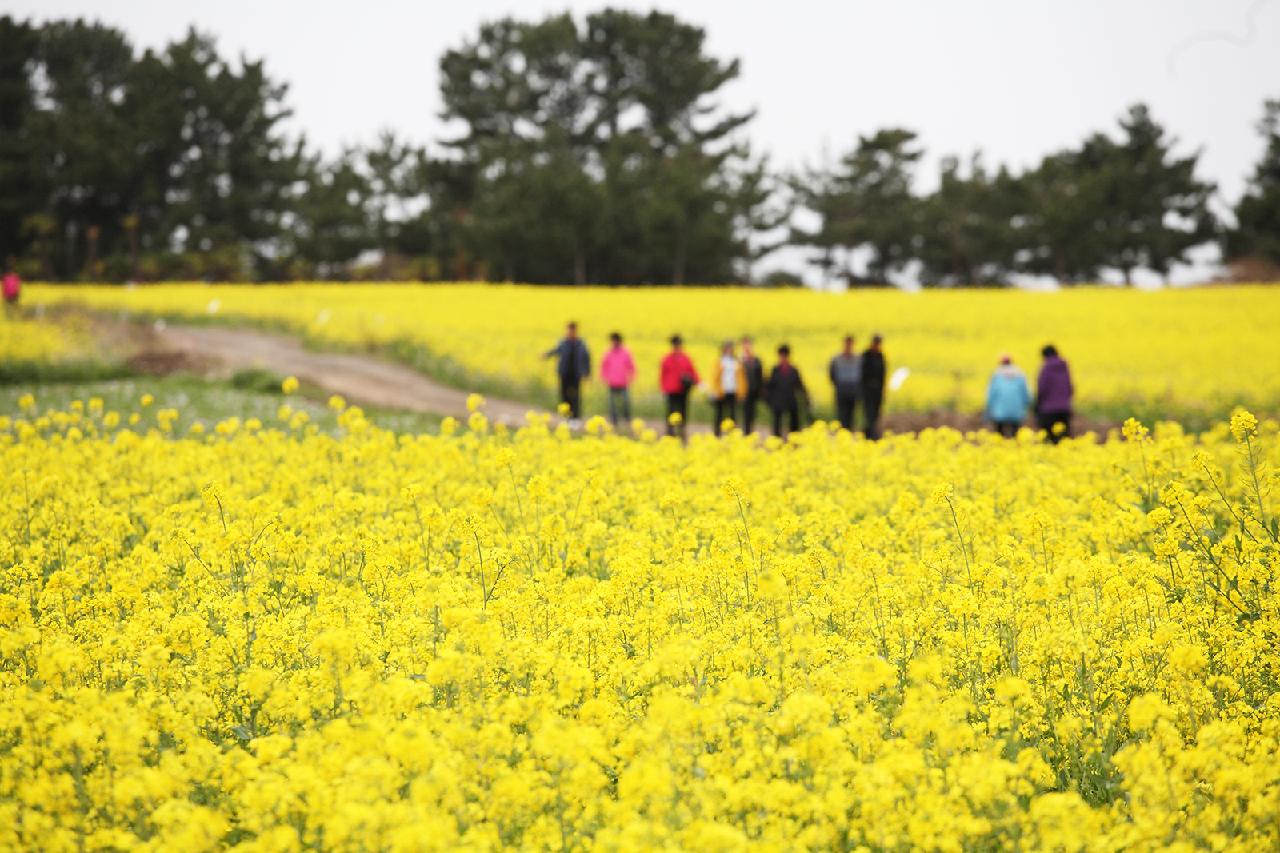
x=1008, y=398
x=573, y=366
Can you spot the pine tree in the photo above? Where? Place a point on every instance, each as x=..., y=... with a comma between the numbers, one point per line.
x=1257, y=230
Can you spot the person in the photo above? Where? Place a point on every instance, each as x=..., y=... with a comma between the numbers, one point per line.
x=573, y=365
x=1053, y=395
x=786, y=392
x=618, y=370
x=728, y=386
x=845, y=371
x=754, y=370
x=677, y=377
x=1008, y=398
x=12, y=287
x=873, y=370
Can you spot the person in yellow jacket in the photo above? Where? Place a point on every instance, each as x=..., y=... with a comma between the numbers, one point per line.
x=728, y=386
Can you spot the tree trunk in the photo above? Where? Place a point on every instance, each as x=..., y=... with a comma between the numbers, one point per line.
x=131, y=223
x=91, y=253
x=678, y=263
x=133, y=253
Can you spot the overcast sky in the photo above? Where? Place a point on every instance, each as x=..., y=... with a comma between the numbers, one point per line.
x=1015, y=78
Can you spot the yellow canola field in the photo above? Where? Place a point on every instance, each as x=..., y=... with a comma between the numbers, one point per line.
x=1175, y=353
x=33, y=341
x=266, y=637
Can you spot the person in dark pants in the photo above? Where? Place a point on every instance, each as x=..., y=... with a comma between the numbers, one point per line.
x=573, y=365
x=1054, y=393
x=873, y=369
x=618, y=369
x=728, y=386
x=754, y=370
x=786, y=392
x=845, y=372
x=677, y=377
x=1007, y=398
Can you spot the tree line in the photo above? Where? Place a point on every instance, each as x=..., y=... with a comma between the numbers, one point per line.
x=580, y=150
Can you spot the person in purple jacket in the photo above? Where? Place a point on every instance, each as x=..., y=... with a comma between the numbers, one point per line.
x=1053, y=395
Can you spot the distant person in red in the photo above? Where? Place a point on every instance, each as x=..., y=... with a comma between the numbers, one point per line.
x=12, y=286
x=786, y=392
x=617, y=369
x=1054, y=392
x=677, y=378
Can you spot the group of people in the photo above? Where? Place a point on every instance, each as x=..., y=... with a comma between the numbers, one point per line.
x=1009, y=396
x=737, y=383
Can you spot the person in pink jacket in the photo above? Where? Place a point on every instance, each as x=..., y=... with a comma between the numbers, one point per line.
x=12, y=287
x=617, y=369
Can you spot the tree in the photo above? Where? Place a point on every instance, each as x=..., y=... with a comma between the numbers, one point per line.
x=1124, y=205
x=84, y=166
x=865, y=207
x=395, y=193
x=1158, y=210
x=762, y=210
x=231, y=183
x=532, y=216
x=968, y=227
x=335, y=222
x=112, y=161
x=1257, y=230
x=517, y=89
x=1065, y=237
x=599, y=151
x=24, y=182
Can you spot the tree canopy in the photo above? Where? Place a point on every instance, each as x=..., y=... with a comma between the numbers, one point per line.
x=1257, y=230
x=577, y=149
x=1118, y=205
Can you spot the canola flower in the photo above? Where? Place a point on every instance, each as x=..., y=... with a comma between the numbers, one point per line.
x=1189, y=353
x=266, y=637
x=35, y=341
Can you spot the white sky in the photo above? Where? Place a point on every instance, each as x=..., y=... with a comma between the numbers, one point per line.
x=1016, y=78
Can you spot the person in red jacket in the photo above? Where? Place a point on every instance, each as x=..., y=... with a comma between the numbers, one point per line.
x=677, y=378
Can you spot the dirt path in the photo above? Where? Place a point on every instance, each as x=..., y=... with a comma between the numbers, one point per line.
x=363, y=379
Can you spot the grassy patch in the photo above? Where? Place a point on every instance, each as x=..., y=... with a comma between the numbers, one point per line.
x=37, y=372
x=196, y=400
x=257, y=379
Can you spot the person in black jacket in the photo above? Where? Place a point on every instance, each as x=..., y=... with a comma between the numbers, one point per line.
x=573, y=364
x=786, y=392
x=754, y=369
x=873, y=369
